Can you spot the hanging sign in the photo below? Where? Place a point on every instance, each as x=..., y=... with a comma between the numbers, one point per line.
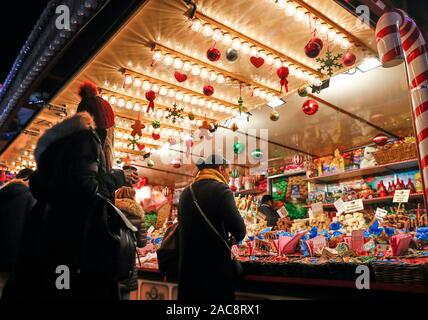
x=401, y=196
x=340, y=206
x=355, y=205
x=381, y=213
x=282, y=212
x=150, y=230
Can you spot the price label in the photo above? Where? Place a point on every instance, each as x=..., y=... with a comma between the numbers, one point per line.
x=282, y=212
x=340, y=206
x=317, y=209
x=151, y=229
x=381, y=213
x=401, y=196
x=355, y=205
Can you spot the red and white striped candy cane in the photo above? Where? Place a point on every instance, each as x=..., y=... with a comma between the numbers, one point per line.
x=399, y=39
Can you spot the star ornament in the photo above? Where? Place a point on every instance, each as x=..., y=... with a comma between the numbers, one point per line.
x=329, y=63
x=174, y=113
x=136, y=128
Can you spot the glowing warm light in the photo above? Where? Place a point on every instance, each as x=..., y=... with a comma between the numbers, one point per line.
x=171, y=93
x=245, y=48
x=290, y=9
x=168, y=60
x=227, y=39
x=194, y=100
x=220, y=79
x=217, y=35
x=163, y=91
x=207, y=31
x=155, y=88
x=236, y=44
x=204, y=73
x=157, y=55
x=129, y=105
x=120, y=103
x=213, y=76
x=137, y=82
x=179, y=96
x=136, y=106
x=128, y=79
x=269, y=59
x=300, y=14
x=195, y=70
x=256, y=92
x=197, y=26
x=254, y=51
x=187, y=66
x=146, y=85
x=178, y=63
x=112, y=100
x=277, y=63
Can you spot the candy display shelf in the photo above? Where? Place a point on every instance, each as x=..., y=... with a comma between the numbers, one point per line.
x=287, y=174
x=254, y=191
x=386, y=168
x=412, y=197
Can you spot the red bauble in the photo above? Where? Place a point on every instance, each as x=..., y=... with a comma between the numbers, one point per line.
x=283, y=73
x=180, y=77
x=213, y=54
x=155, y=136
x=176, y=163
x=208, y=90
x=380, y=140
x=257, y=61
x=314, y=47
x=151, y=96
x=310, y=107
x=349, y=59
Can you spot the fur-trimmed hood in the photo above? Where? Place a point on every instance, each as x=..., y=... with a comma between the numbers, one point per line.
x=130, y=207
x=80, y=121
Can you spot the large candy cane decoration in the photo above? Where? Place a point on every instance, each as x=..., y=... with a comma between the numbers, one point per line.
x=399, y=39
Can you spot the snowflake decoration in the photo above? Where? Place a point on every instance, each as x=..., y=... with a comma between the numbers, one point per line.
x=174, y=113
x=330, y=62
x=133, y=142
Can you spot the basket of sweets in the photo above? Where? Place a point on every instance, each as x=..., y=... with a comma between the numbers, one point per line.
x=396, y=153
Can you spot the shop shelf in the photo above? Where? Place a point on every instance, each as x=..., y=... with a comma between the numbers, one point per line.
x=288, y=174
x=250, y=191
x=386, y=168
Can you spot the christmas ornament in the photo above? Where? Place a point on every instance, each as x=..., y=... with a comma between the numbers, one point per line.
x=188, y=141
x=282, y=74
x=191, y=116
x=155, y=136
x=241, y=105
x=238, y=148
x=204, y=131
x=133, y=141
x=180, y=77
x=127, y=160
x=213, y=54
x=142, y=182
x=208, y=90
x=156, y=124
x=151, y=96
x=235, y=173
x=303, y=92
x=176, y=163
x=313, y=47
x=274, y=115
x=150, y=163
x=174, y=113
x=380, y=140
x=214, y=128
x=329, y=63
x=298, y=160
x=257, y=154
x=234, y=127
x=257, y=61
x=349, y=59
x=231, y=55
x=141, y=146
x=310, y=107
x=137, y=126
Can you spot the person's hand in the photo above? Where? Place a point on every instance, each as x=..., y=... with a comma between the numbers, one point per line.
x=131, y=176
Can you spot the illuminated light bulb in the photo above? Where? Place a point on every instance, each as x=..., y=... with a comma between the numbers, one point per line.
x=331, y=34
x=187, y=66
x=112, y=100
x=277, y=63
x=220, y=79
x=157, y=55
x=179, y=96
x=163, y=91
x=171, y=93
x=204, y=73
x=269, y=59
x=236, y=43
x=137, y=82
x=146, y=85
x=292, y=70
x=168, y=60
x=201, y=102
x=128, y=79
x=199, y=123
x=345, y=44
x=197, y=25
x=323, y=29
x=306, y=76
x=129, y=105
x=256, y=92
x=195, y=70
x=178, y=63
x=262, y=54
x=105, y=97
x=217, y=35
x=299, y=74
x=290, y=9
x=215, y=107
x=194, y=101
x=300, y=14
x=227, y=39
x=136, y=106
x=186, y=98
x=312, y=79
x=262, y=94
x=245, y=48
x=209, y=104
x=155, y=88
x=207, y=31
x=159, y=113
x=213, y=76
x=222, y=108
x=281, y=4
x=120, y=103
x=253, y=51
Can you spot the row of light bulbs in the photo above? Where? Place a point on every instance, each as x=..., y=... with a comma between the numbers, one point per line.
x=292, y=9
x=203, y=72
x=169, y=132
x=172, y=93
x=248, y=48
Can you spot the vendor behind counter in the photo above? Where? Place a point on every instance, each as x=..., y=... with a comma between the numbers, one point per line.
x=267, y=208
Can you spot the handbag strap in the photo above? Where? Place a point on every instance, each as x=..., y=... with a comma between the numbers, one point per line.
x=195, y=201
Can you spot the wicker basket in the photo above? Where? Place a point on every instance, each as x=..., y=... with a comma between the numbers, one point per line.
x=403, y=152
x=400, y=273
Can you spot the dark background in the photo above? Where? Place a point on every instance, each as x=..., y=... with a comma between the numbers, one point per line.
x=18, y=17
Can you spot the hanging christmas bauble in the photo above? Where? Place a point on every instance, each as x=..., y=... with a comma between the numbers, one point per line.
x=180, y=77
x=314, y=47
x=150, y=163
x=310, y=107
x=282, y=74
x=298, y=160
x=213, y=54
x=238, y=148
x=380, y=140
x=349, y=59
x=191, y=116
x=235, y=173
x=176, y=163
x=303, y=92
x=234, y=127
x=231, y=55
x=208, y=90
x=257, y=61
x=257, y=154
x=142, y=182
x=156, y=124
x=150, y=96
x=274, y=115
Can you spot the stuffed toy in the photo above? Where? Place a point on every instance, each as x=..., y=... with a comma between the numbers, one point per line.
x=368, y=159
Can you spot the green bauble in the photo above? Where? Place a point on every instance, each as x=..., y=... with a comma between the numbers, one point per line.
x=235, y=173
x=257, y=154
x=150, y=163
x=238, y=147
x=303, y=92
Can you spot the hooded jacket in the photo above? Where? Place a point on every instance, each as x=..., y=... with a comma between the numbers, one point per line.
x=16, y=203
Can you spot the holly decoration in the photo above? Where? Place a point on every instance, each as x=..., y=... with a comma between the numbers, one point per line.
x=174, y=113
x=238, y=147
x=274, y=115
x=208, y=90
x=329, y=63
x=282, y=74
x=310, y=107
x=349, y=59
x=133, y=142
x=137, y=126
x=180, y=77
x=213, y=54
x=314, y=47
x=156, y=124
x=191, y=116
x=303, y=92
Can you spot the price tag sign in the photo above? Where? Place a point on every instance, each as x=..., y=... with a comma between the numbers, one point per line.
x=353, y=206
x=317, y=209
x=151, y=229
x=381, y=213
x=340, y=206
x=282, y=212
x=401, y=196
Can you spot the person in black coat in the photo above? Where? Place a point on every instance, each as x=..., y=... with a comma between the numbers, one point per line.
x=70, y=170
x=267, y=208
x=16, y=202
x=206, y=271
